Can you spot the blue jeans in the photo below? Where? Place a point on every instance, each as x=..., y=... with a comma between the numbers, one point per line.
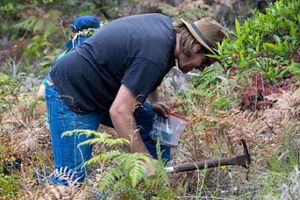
x=68, y=157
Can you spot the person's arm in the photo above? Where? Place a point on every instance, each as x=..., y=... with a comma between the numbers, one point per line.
x=121, y=113
x=157, y=104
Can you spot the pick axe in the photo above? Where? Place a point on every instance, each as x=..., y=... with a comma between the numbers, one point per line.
x=240, y=160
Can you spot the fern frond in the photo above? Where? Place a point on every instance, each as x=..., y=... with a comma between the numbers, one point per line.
x=91, y=142
x=111, y=156
x=118, y=141
x=105, y=157
x=123, y=159
x=92, y=160
x=119, y=185
x=100, y=138
x=106, y=141
x=110, y=177
x=136, y=172
x=133, y=166
x=80, y=132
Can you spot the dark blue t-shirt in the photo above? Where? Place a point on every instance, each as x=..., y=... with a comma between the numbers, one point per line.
x=137, y=51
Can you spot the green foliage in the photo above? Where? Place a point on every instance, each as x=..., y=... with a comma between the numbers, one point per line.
x=43, y=28
x=127, y=169
x=294, y=68
x=100, y=138
x=273, y=69
x=8, y=14
x=125, y=175
x=215, y=87
x=289, y=159
x=265, y=42
x=36, y=27
x=9, y=90
x=8, y=183
x=283, y=169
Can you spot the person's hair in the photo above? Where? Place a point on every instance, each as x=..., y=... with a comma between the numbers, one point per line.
x=187, y=41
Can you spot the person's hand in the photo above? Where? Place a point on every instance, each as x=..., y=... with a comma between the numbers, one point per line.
x=41, y=93
x=161, y=108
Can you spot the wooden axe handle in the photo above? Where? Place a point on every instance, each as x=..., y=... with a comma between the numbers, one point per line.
x=242, y=160
x=238, y=160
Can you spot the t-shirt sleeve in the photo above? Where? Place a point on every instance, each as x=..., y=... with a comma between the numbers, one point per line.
x=142, y=77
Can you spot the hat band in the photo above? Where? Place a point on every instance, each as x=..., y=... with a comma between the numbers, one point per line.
x=209, y=44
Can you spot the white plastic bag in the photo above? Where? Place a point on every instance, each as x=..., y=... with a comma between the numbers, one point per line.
x=168, y=130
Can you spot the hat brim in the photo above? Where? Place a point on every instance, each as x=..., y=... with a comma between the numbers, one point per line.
x=196, y=36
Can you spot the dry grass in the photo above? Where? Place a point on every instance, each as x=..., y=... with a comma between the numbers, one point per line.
x=219, y=135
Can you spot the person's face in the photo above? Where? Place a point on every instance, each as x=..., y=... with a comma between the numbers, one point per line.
x=196, y=60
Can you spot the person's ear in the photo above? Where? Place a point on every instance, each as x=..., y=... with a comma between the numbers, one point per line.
x=197, y=49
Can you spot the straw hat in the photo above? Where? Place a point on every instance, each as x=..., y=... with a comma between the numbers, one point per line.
x=208, y=32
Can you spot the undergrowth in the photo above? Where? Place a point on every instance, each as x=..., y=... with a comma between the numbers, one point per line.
x=125, y=176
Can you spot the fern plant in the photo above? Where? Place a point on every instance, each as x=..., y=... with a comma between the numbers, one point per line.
x=125, y=176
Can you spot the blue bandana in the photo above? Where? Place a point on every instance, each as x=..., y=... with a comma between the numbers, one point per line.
x=84, y=22
x=82, y=27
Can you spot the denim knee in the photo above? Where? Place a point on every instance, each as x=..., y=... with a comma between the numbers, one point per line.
x=68, y=157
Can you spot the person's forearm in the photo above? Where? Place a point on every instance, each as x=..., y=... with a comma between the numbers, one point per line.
x=126, y=128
